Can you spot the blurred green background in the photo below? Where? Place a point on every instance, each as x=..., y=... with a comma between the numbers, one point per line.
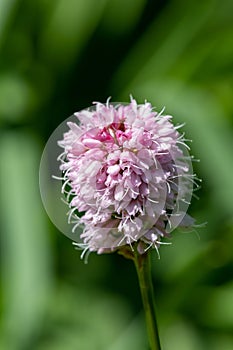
x=58, y=56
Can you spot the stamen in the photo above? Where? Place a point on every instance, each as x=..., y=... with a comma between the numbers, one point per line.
x=160, y=113
x=153, y=201
x=183, y=144
x=169, y=187
x=75, y=226
x=57, y=177
x=64, y=185
x=179, y=126
x=70, y=213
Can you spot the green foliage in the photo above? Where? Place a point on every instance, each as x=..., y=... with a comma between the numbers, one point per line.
x=57, y=57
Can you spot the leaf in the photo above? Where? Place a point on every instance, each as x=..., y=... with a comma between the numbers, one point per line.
x=26, y=264
x=68, y=29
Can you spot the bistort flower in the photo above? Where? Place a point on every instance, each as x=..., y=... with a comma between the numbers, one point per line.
x=126, y=176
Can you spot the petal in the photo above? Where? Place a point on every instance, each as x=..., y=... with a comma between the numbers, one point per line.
x=113, y=169
x=91, y=143
x=119, y=192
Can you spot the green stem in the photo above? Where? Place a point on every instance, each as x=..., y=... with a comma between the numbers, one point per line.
x=142, y=263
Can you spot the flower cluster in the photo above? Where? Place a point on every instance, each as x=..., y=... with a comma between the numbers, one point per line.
x=125, y=176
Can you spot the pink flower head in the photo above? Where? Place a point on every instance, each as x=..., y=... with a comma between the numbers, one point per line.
x=126, y=176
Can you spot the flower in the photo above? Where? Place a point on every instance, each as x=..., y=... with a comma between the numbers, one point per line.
x=127, y=176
